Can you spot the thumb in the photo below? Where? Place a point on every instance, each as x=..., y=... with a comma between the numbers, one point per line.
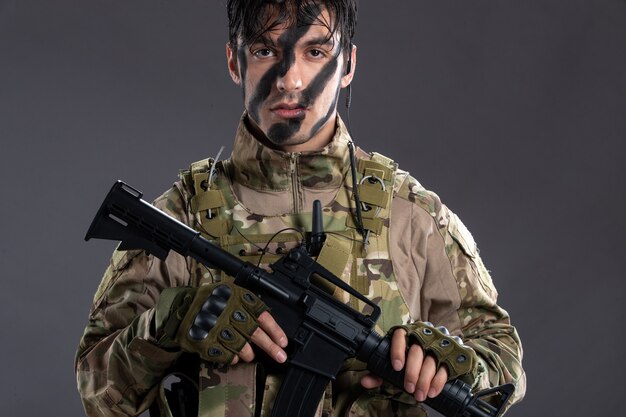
x=370, y=381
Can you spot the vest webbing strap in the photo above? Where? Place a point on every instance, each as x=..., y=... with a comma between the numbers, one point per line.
x=335, y=253
x=373, y=225
x=381, y=171
x=379, y=165
x=373, y=194
x=206, y=202
x=215, y=227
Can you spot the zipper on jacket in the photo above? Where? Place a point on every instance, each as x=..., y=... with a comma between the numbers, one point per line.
x=295, y=193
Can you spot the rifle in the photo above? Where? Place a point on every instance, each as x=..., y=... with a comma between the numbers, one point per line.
x=323, y=332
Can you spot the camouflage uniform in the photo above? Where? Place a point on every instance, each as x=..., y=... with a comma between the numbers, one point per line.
x=421, y=264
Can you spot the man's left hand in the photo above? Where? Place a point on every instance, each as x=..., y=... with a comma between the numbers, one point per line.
x=422, y=379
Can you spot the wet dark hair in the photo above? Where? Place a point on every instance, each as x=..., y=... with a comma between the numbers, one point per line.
x=248, y=20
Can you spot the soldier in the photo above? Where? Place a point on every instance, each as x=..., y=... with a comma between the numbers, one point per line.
x=387, y=236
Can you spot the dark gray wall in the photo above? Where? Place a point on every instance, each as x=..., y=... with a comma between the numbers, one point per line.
x=512, y=111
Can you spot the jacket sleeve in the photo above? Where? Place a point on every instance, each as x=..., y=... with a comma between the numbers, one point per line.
x=456, y=291
x=118, y=363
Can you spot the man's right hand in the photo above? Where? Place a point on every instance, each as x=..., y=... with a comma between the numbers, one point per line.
x=269, y=337
x=216, y=321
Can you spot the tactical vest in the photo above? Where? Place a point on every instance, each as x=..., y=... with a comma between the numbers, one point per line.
x=234, y=391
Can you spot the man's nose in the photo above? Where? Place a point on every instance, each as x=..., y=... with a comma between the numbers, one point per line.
x=291, y=80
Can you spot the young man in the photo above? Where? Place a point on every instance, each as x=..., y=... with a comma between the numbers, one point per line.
x=402, y=248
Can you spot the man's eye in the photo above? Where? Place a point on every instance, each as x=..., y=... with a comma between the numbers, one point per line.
x=263, y=53
x=316, y=53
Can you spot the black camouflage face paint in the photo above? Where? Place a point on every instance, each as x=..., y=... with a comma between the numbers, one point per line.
x=287, y=41
x=323, y=120
x=280, y=132
x=317, y=86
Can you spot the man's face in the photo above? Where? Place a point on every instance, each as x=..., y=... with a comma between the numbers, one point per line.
x=291, y=78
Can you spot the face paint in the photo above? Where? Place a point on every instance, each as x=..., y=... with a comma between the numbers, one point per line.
x=331, y=111
x=287, y=41
x=317, y=86
x=317, y=100
x=279, y=132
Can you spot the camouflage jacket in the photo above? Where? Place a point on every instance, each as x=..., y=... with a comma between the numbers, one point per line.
x=434, y=274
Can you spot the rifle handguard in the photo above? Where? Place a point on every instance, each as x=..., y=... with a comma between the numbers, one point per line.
x=459, y=359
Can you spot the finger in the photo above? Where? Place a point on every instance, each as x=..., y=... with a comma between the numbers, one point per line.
x=262, y=340
x=414, y=361
x=438, y=382
x=429, y=368
x=370, y=381
x=246, y=354
x=275, y=332
x=398, y=349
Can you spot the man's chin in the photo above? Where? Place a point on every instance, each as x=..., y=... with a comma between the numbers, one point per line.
x=285, y=134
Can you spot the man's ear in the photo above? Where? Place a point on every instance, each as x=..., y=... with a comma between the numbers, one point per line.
x=346, y=79
x=233, y=65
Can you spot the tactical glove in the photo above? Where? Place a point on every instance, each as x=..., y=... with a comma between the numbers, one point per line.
x=215, y=321
x=460, y=360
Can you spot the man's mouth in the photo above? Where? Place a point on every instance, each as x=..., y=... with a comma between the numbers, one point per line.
x=289, y=110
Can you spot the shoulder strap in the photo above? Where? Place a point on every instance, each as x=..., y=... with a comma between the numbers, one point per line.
x=207, y=200
x=187, y=175
x=376, y=187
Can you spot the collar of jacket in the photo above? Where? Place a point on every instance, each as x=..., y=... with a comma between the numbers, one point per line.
x=262, y=168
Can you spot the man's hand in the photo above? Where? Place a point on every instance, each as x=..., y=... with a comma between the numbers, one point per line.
x=431, y=357
x=422, y=378
x=216, y=321
x=269, y=337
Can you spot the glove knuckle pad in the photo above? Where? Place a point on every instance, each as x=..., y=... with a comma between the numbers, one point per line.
x=446, y=349
x=220, y=321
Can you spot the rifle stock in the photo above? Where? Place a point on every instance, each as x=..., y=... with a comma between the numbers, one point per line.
x=317, y=325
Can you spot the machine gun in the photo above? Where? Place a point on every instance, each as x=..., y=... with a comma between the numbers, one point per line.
x=323, y=332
